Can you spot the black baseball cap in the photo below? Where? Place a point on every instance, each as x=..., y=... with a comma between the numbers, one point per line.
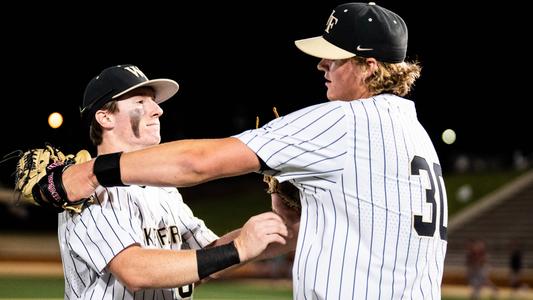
x=116, y=81
x=360, y=29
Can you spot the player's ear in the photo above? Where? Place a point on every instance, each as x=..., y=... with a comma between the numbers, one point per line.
x=371, y=65
x=104, y=118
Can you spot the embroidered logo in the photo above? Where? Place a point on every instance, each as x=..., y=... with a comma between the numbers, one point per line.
x=331, y=22
x=135, y=71
x=359, y=48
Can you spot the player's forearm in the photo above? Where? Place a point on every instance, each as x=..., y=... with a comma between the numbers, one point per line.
x=188, y=162
x=140, y=268
x=180, y=163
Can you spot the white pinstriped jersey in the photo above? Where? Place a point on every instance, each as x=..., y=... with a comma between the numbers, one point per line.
x=374, y=212
x=151, y=217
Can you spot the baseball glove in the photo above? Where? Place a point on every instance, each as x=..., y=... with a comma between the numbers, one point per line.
x=38, y=177
x=286, y=190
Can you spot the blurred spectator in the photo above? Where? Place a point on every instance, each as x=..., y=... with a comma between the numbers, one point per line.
x=515, y=268
x=478, y=269
x=515, y=265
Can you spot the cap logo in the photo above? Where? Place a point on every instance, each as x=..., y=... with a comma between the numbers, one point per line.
x=359, y=48
x=135, y=71
x=331, y=22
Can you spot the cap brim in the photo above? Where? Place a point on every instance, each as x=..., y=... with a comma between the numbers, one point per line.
x=319, y=47
x=164, y=89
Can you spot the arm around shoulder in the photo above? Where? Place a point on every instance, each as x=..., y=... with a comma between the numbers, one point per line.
x=179, y=163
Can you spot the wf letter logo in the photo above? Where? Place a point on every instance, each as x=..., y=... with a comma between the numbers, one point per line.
x=331, y=22
x=135, y=71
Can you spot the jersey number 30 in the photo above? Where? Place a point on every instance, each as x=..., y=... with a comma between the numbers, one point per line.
x=425, y=228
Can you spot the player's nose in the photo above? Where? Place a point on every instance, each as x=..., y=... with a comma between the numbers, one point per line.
x=156, y=110
x=323, y=65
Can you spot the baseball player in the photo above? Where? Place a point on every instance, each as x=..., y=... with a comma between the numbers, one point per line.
x=373, y=202
x=129, y=243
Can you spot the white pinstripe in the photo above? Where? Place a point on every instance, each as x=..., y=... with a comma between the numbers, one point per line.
x=152, y=217
x=352, y=163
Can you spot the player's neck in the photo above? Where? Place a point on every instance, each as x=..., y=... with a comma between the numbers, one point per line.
x=114, y=146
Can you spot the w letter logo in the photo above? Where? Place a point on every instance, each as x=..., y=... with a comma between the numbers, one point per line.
x=331, y=22
x=135, y=71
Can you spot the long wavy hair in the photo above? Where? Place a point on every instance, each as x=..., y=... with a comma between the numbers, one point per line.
x=394, y=78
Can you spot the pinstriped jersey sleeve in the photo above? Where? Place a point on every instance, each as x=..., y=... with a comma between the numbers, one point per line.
x=197, y=235
x=103, y=230
x=308, y=145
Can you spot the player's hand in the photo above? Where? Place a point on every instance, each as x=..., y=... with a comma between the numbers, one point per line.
x=78, y=182
x=258, y=233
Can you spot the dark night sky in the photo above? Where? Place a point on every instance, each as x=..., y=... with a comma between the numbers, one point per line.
x=235, y=61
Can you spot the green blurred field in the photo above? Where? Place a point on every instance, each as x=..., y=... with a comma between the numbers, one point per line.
x=482, y=183
x=52, y=288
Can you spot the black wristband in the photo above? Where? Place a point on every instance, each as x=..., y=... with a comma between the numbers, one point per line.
x=214, y=259
x=107, y=169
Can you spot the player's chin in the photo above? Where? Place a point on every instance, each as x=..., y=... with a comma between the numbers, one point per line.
x=331, y=95
x=157, y=140
x=152, y=139
x=152, y=132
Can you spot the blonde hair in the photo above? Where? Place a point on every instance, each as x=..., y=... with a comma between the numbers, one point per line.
x=394, y=78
